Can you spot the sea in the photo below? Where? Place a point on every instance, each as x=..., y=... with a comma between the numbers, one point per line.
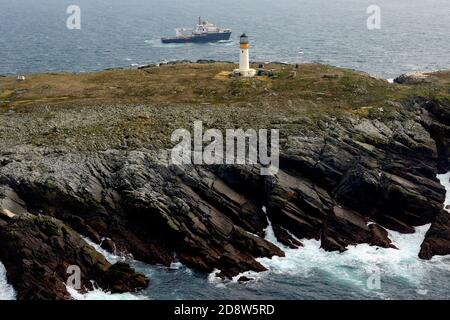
x=412, y=35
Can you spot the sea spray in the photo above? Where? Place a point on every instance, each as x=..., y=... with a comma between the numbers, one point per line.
x=6, y=290
x=354, y=266
x=97, y=293
x=110, y=257
x=445, y=181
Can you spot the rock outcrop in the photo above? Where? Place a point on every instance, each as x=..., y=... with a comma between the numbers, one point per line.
x=437, y=240
x=38, y=252
x=343, y=184
x=414, y=78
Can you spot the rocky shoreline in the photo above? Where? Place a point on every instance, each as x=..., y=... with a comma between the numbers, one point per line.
x=344, y=179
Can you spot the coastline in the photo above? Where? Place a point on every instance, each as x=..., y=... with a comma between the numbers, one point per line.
x=81, y=152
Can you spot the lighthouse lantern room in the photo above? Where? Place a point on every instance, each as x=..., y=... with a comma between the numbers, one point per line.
x=244, y=61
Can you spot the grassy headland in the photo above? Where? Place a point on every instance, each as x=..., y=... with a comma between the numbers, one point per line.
x=123, y=107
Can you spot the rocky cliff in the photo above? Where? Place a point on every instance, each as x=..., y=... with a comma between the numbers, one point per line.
x=358, y=156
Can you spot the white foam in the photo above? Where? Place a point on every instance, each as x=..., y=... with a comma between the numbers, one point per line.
x=445, y=181
x=226, y=43
x=215, y=280
x=270, y=234
x=175, y=266
x=157, y=43
x=357, y=263
x=110, y=257
x=98, y=294
x=6, y=290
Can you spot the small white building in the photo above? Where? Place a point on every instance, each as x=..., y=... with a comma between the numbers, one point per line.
x=244, y=60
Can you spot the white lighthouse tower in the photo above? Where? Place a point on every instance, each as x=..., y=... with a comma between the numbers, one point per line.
x=244, y=61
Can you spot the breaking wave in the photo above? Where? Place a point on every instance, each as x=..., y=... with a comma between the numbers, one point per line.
x=357, y=266
x=6, y=290
x=445, y=181
x=97, y=293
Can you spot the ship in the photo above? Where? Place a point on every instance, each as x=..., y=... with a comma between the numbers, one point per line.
x=203, y=32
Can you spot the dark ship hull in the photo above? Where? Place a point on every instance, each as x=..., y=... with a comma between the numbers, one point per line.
x=200, y=38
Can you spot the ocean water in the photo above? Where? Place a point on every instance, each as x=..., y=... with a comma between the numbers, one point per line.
x=414, y=34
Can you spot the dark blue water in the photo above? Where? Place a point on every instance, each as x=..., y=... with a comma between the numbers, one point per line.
x=414, y=34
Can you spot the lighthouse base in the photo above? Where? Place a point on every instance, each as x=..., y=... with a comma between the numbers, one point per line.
x=244, y=73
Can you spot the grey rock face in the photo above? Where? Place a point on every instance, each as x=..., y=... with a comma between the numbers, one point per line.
x=342, y=180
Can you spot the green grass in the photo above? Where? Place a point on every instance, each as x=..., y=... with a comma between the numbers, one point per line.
x=143, y=107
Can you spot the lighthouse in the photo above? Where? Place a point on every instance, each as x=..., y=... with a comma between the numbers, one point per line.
x=244, y=61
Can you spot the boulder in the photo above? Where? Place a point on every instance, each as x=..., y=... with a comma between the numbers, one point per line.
x=414, y=78
x=437, y=239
